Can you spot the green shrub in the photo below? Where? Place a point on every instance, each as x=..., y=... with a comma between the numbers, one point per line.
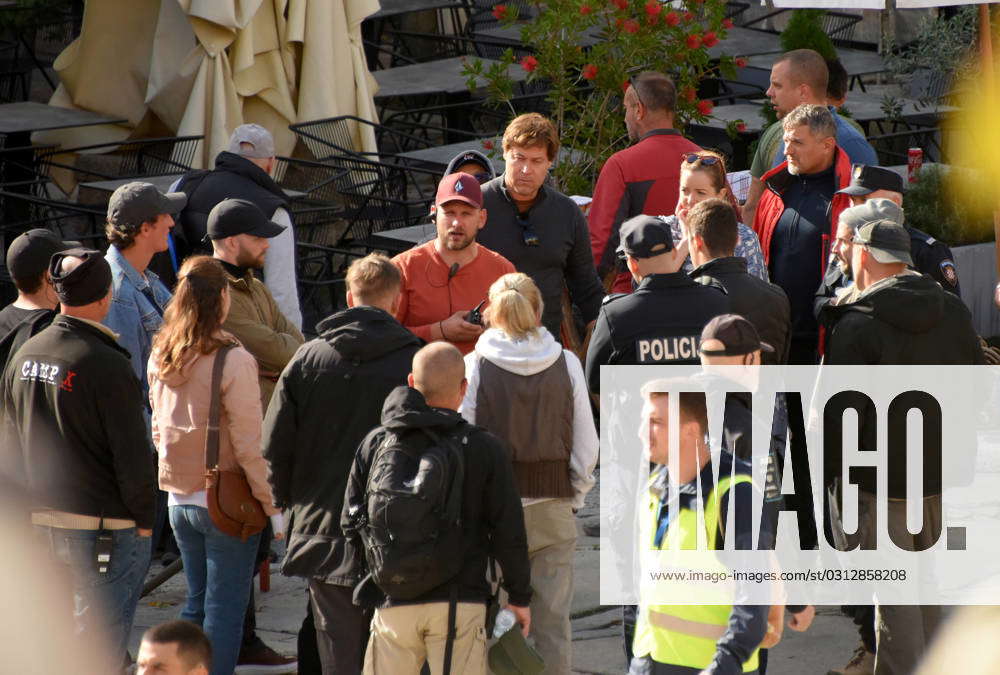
x=805, y=31
x=951, y=205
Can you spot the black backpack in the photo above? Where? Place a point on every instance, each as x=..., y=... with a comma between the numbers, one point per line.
x=412, y=524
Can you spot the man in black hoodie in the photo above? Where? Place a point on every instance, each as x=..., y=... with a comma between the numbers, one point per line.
x=338, y=381
x=405, y=634
x=74, y=437
x=244, y=172
x=898, y=317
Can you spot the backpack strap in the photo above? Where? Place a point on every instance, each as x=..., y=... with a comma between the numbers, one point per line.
x=212, y=436
x=453, y=509
x=449, y=644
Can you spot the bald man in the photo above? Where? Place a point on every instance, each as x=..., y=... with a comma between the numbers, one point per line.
x=406, y=631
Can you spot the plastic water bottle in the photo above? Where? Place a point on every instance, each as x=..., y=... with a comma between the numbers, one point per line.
x=505, y=621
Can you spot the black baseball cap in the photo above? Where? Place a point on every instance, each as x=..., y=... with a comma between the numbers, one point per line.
x=29, y=254
x=231, y=217
x=737, y=335
x=866, y=179
x=645, y=237
x=136, y=203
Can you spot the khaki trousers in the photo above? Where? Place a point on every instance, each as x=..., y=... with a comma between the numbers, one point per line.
x=551, y=529
x=404, y=637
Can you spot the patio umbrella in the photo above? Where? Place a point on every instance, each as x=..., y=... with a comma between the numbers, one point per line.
x=202, y=67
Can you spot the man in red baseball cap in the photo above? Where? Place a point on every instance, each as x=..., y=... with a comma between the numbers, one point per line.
x=447, y=278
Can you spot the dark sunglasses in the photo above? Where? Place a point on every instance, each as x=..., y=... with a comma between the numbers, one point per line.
x=707, y=160
x=528, y=232
x=632, y=83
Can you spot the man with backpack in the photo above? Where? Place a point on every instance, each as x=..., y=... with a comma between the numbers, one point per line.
x=431, y=499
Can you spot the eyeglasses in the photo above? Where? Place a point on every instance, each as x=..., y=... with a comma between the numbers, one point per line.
x=706, y=160
x=528, y=232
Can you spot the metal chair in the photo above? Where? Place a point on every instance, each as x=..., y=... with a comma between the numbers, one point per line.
x=68, y=220
x=320, y=215
x=125, y=159
x=342, y=136
x=892, y=147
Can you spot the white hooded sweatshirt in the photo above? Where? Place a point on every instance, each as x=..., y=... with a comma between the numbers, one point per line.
x=526, y=357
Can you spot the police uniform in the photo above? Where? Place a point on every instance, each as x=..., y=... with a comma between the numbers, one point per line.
x=933, y=257
x=661, y=321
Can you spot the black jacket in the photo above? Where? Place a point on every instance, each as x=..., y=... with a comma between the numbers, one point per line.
x=73, y=425
x=762, y=303
x=492, y=515
x=328, y=397
x=903, y=320
x=563, y=257
x=661, y=322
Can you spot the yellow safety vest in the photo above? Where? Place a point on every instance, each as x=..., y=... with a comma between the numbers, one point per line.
x=685, y=635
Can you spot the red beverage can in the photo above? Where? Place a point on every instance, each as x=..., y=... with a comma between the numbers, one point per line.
x=914, y=160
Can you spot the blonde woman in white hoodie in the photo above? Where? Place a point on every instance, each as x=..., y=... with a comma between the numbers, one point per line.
x=528, y=390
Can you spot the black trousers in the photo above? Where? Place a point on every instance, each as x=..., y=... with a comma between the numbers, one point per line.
x=341, y=627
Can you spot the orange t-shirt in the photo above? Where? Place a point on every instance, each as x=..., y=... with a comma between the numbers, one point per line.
x=428, y=295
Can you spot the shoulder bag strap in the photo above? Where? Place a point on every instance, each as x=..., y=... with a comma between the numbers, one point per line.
x=212, y=437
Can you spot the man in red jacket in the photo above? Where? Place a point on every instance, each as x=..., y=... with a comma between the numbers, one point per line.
x=641, y=179
x=796, y=219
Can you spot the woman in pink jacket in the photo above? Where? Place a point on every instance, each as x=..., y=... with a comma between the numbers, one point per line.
x=218, y=567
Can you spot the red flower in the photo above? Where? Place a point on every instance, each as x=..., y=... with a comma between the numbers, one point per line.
x=586, y=9
x=631, y=26
x=690, y=94
x=652, y=19
x=487, y=145
x=589, y=71
x=529, y=63
x=653, y=7
x=740, y=62
x=710, y=39
x=741, y=127
x=499, y=12
x=688, y=17
x=620, y=4
x=728, y=24
x=625, y=85
x=693, y=41
x=672, y=19
x=705, y=107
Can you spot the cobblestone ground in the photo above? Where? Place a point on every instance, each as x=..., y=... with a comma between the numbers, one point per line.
x=597, y=642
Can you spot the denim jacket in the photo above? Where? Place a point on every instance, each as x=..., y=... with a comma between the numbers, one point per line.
x=132, y=315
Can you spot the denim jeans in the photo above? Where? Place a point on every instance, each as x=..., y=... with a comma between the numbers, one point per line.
x=103, y=604
x=219, y=569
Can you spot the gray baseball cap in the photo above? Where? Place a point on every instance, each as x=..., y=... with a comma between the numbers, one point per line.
x=886, y=238
x=870, y=211
x=257, y=136
x=136, y=203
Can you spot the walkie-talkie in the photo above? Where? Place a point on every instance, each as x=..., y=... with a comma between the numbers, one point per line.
x=103, y=547
x=476, y=315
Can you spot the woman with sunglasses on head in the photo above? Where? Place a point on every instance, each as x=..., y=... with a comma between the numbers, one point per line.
x=219, y=567
x=703, y=176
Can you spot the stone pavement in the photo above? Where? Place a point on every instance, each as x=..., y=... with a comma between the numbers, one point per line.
x=597, y=644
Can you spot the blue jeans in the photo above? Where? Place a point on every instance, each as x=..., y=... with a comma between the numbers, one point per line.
x=103, y=604
x=219, y=569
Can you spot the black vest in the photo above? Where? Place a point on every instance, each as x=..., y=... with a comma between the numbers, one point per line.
x=233, y=177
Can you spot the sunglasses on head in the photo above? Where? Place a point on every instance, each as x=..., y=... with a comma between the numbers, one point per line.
x=632, y=83
x=707, y=160
x=528, y=233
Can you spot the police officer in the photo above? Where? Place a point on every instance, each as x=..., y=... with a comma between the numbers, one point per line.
x=661, y=321
x=930, y=256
